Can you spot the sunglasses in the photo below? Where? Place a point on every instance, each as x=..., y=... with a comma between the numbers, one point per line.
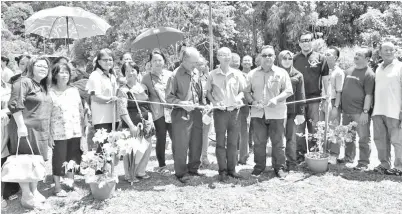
x=267, y=55
x=305, y=40
x=285, y=58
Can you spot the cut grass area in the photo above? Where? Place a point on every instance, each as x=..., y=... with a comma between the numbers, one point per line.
x=340, y=190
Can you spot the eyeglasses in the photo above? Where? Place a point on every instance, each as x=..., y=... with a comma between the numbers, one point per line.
x=267, y=55
x=106, y=60
x=285, y=58
x=305, y=40
x=42, y=66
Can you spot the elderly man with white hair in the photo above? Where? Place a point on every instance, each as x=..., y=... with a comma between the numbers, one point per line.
x=387, y=113
x=225, y=87
x=185, y=88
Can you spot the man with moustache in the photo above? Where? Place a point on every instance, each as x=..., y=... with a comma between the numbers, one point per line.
x=268, y=87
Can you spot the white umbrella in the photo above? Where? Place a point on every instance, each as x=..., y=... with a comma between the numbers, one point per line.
x=65, y=22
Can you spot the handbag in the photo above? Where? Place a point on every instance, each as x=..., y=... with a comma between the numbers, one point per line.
x=24, y=167
x=148, y=127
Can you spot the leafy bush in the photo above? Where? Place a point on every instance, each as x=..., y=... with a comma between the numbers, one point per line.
x=346, y=57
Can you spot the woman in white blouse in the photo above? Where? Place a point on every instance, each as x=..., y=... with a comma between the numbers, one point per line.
x=66, y=125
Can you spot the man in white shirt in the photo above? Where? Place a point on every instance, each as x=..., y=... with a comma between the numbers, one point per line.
x=387, y=114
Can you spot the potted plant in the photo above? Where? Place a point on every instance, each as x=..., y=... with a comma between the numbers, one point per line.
x=103, y=185
x=317, y=159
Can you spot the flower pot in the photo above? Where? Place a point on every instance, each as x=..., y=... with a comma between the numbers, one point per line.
x=317, y=162
x=104, y=192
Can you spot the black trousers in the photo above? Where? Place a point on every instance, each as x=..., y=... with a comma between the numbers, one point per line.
x=64, y=151
x=161, y=127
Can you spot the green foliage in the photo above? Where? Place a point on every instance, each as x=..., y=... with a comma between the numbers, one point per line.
x=14, y=17
x=242, y=26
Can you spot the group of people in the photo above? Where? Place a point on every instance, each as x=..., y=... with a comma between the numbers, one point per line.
x=247, y=107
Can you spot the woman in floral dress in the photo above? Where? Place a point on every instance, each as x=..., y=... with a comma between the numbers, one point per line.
x=66, y=125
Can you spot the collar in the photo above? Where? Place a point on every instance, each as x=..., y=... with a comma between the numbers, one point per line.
x=392, y=63
x=273, y=68
x=308, y=55
x=156, y=76
x=230, y=71
x=102, y=73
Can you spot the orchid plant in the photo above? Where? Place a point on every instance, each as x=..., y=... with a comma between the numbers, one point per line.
x=335, y=133
x=119, y=143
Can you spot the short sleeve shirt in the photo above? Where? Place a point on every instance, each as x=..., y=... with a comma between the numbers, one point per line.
x=388, y=90
x=225, y=88
x=65, y=120
x=313, y=68
x=264, y=86
x=101, y=84
x=358, y=83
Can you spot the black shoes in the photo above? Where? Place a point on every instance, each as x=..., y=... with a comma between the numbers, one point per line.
x=280, y=173
x=196, y=174
x=256, y=173
x=183, y=179
x=222, y=177
x=235, y=175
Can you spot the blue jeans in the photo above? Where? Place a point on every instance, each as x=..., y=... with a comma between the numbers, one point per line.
x=311, y=118
x=275, y=130
x=226, y=153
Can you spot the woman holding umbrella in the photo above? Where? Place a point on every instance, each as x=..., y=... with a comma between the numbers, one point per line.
x=156, y=82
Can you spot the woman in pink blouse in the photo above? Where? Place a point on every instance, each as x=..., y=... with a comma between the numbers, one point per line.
x=66, y=125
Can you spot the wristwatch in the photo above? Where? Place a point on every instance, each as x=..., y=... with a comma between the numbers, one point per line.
x=365, y=111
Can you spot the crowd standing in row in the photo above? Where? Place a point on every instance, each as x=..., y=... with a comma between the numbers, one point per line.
x=41, y=107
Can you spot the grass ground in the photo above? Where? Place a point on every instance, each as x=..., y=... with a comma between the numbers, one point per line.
x=340, y=190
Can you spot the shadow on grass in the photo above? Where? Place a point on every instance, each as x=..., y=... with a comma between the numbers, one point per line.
x=351, y=174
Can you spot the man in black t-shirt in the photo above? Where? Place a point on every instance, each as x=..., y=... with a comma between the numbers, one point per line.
x=313, y=67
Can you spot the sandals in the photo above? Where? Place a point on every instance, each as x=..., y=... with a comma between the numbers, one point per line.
x=62, y=193
x=144, y=177
x=163, y=170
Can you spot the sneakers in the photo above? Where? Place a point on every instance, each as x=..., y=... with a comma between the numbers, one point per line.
x=256, y=173
x=344, y=161
x=332, y=160
x=380, y=169
x=393, y=171
x=280, y=173
x=361, y=167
